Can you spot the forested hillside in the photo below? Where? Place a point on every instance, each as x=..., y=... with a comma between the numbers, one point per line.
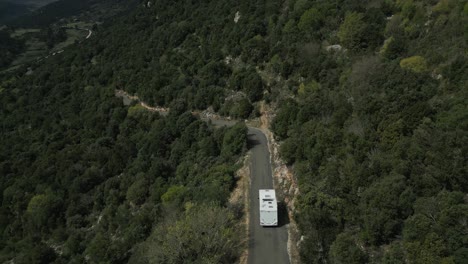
x=371, y=112
x=80, y=170
x=376, y=130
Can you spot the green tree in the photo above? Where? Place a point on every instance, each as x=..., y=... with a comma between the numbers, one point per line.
x=300, y=6
x=392, y=48
x=394, y=255
x=384, y=206
x=430, y=250
x=43, y=209
x=345, y=250
x=288, y=150
x=255, y=49
x=234, y=141
x=290, y=27
x=98, y=249
x=352, y=31
x=253, y=86
x=309, y=88
x=138, y=191
x=38, y=254
x=415, y=63
x=241, y=109
x=310, y=20
x=203, y=234
x=285, y=117
x=175, y=194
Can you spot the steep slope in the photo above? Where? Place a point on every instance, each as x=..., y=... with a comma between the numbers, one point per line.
x=79, y=169
x=376, y=131
x=371, y=112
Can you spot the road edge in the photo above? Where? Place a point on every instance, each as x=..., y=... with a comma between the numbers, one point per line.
x=283, y=181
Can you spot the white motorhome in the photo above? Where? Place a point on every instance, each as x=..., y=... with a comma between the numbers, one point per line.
x=268, y=207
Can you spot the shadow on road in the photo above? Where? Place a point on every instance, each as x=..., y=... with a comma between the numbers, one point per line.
x=283, y=216
x=252, y=141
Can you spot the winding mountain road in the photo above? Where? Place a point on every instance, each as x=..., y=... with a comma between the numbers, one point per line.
x=266, y=244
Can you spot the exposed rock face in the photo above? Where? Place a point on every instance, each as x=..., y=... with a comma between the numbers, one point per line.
x=335, y=48
x=237, y=17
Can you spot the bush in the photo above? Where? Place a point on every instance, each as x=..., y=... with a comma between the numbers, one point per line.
x=351, y=32
x=309, y=88
x=392, y=48
x=204, y=234
x=310, y=20
x=415, y=63
x=235, y=140
x=345, y=250
x=241, y=109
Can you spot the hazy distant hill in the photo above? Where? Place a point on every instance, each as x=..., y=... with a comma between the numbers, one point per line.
x=45, y=23
x=10, y=9
x=50, y=13
x=57, y=10
x=31, y=3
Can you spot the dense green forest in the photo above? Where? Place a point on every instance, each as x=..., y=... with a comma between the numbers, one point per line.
x=377, y=134
x=371, y=112
x=79, y=169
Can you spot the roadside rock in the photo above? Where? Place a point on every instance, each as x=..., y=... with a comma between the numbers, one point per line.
x=284, y=181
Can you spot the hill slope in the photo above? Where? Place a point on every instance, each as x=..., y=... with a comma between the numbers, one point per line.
x=370, y=109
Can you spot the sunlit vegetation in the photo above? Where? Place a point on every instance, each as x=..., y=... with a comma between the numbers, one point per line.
x=376, y=134
x=370, y=110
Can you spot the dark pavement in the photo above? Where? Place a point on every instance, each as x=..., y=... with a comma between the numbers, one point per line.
x=267, y=245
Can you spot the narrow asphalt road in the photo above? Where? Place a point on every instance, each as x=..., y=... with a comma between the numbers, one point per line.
x=266, y=244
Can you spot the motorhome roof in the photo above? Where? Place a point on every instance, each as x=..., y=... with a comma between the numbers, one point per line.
x=267, y=194
x=268, y=200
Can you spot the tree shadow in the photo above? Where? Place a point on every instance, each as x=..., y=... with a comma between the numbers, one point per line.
x=283, y=216
x=252, y=141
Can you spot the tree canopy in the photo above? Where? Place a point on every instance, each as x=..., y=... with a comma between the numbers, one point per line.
x=369, y=106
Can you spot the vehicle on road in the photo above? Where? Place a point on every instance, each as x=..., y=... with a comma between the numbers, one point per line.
x=268, y=207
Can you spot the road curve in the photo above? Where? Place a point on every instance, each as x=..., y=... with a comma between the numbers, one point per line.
x=266, y=244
